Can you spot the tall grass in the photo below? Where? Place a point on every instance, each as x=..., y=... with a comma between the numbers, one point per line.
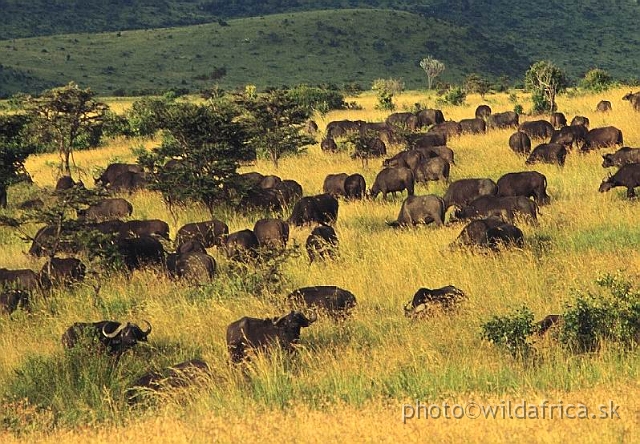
x=346, y=379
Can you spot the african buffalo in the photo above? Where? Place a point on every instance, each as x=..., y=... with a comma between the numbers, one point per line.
x=128, y=181
x=558, y=120
x=195, y=266
x=114, y=170
x=407, y=159
x=355, y=186
x=241, y=245
x=437, y=151
x=311, y=127
x=138, y=252
x=322, y=209
x=537, y=129
x=420, y=210
x=507, y=119
x=505, y=207
x=271, y=233
x=341, y=128
x=483, y=112
x=149, y=227
x=31, y=204
x=602, y=137
x=492, y=232
x=434, y=168
x=288, y=192
x=391, y=180
x=257, y=333
x=62, y=271
x=107, y=209
x=504, y=235
x=208, y=232
x=334, y=184
x=322, y=243
x=269, y=181
x=251, y=179
x=450, y=128
x=570, y=135
x=548, y=153
x=11, y=300
x=427, y=117
x=621, y=157
x=404, y=120
x=263, y=199
x=375, y=148
x=524, y=183
x=114, y=336
x=473, y=126
x=520, y=143
x=634, y=99
x=329, y=145
x=547, y=323
x=335, y=301
x=22, y=279
x=427, y=140
x=603, y=106
x=580, y=120
x=66, y=183
x=627, y=176
x=446, y=297
x=463, y=191
x=180, y=375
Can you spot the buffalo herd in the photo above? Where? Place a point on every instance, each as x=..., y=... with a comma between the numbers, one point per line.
x=487, y=208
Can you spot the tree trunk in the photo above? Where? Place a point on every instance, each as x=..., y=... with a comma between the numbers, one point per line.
x=3, y=196
x=67, y=168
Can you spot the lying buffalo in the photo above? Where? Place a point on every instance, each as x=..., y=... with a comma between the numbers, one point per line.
x=257, y=333
x=195, y=266
x=537, y=129
x=322, y=243
x=355, y=186
x=623, y=156
x=524, y=183
x=107, y=209
x=391, y=180
x=507, y=119
x=505, y=207
x=602, y=137
x=271, y=233
x=242, y=245
x=520, y=143
x=492, y=233
x=505, y=235
x=114, y=336
x=420, y=210
x=62, y=271
x=627, y=176
x=208, y=232
x=554, y=153
x=463, y=191
x=322, y=209
x=446, y=297
x=337, y=302
x=114, y=170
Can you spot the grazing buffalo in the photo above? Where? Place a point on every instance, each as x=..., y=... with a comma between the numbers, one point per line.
x=504, y=235
x=184, y=374
x=420, y=210
x=437, y=151
x=524, y=183
x=434, y=168
x=505, y=207
x=271, y=233
x=11, y=300
x=334, y=184
x=463, y=191
x=288, y=192
x=149, y=227
x=621, y=157
x=196, y=266
x=31, y=204
x=570, y=135
x=520, y=142
x=263, y=199
x=114, y=170
x=139, y=252
x=558, y=120
x=634, y=99
x=483, y=112
x=375, y=148
x=580, y=120
x=405, y=120
x=242, y=245
x=22, y=279
x=341, y=128
x=329, y=145
x=322, y=209
x=507, y=119
x=627, y=176
x=129, y=181
x=446, y=297
x=322, y=243
x=603, y=106
x=335, y=301
x=208, y=232
x=548, y=153
x=269, y=181
x=407, y=159
x=537, y=129
x=449, y=128
x=261, y=333
x=250, y=180
x=391, y=180
x=602, y=137
x=428, y=117
x=427, y=140
x=116, y=337
x=311, y=127
x=355, y=186
x=547, y=323
x=107, y=209
x=491, y=232
x=62, y=271
x=473, y=126
x=67, y=183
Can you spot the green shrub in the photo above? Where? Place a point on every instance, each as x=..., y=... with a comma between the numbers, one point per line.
x=596, y=80
x=511, y=332
x=455, y=96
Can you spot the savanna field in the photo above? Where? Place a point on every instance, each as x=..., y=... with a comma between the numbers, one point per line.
x=348, y=381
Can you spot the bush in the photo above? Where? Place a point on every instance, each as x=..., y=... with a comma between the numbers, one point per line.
x=511, y=332
x=596, y=80
x=455, y=96
x=314, y=97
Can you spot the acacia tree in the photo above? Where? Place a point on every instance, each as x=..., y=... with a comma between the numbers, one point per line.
x=13, y=152
x=433, y=68
x=62, y=117
x=544, y=80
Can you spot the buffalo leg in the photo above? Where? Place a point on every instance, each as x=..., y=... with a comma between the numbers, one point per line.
x=631, y=193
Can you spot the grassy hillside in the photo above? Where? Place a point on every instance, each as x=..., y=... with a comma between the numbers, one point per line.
x=312, y=47
x=348, y=381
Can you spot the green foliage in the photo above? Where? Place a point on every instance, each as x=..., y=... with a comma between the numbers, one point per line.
x=475, y=83
x=385, y=89
x=544, y=80
x=455, y=96
x=318, y=98
x=432, y=68
x=596, y=80
x=146, y=116
x=14, y=150
x=511, y=332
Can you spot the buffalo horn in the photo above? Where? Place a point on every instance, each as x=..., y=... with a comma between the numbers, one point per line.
x=146, y=333
x=408, y=309
x=114, y=333
x=281, y=318
x=313, y=318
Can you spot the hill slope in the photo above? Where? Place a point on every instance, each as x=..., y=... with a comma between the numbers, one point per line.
x=336, y=46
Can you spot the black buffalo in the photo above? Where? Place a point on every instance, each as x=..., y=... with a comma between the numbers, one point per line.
x=546, y=323
x=208, y=232
x=257, y=333
x=427, y=140
x=21, y=279
x=375, y=148
x=621, y=157
x=329, y=144
x=311, y=127
x=114, y=336
x=580, y=120
x=334, y=184
x=322, y=243
x=62, y=271
x=483, y=112
x=504, y=235
x=603, y=106
x=602, y=137
x=492, y=232
x=570, y=135
x=505, y=207
x=507, y=119
x=271, y=233
x=537, y=129
x=520, y=142
x=269, y=181
x=289, y=191
x=67, y=183
x=634, y=99
x=427, y=117
x=548, y=153
x=322, y=209
x=420, y=210
x=107, y=209
x=463, y=191
x=340, y=128
x=404, y=120
x=196, y=266
x=335, y=301
x=242, y=245
x=524, y=183
x=446, y=297
x=450, y=128
x=627, y=176
x=558, y=120
x=473, y=126
x=407, y=159
x=149, y=227
x=355, y=187
x=184, y=374
x=139, y=252
x=435, y=168
x=129, y=181
x=11, y=300
x=437, y=151
x=114, y=170
x=391, y=180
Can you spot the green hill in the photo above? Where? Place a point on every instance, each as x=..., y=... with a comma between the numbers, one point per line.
x=336, y=46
